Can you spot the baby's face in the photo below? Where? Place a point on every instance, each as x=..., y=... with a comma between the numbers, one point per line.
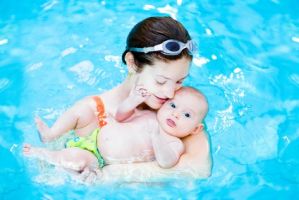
x=181, y=115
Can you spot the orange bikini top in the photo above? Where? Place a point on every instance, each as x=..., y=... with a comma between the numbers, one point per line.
x=100, y=111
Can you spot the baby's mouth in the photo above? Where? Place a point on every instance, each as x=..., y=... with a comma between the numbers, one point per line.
x=170, y=123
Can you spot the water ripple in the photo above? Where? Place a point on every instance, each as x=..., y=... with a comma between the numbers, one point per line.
x=4, y=83
x=83, y=70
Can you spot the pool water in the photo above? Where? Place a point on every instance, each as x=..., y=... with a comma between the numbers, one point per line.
x=53, y=53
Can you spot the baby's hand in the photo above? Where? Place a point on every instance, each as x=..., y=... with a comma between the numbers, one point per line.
x=139, y=94
x=141, y=91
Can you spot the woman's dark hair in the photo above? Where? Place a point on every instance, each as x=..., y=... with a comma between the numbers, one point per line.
x=152, y=31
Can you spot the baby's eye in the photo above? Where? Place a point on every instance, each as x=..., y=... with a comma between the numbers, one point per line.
x=188, y=115
x=172, y=105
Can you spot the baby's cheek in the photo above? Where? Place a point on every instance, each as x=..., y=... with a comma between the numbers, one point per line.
x=160, y=114
x=179, y=86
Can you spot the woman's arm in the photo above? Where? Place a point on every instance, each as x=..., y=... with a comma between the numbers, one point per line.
x=197, y=156
x=194, y=163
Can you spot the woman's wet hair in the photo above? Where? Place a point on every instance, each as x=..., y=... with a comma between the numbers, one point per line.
x=152, y=31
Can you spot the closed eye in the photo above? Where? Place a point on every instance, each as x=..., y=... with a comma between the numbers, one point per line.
x=160, y=82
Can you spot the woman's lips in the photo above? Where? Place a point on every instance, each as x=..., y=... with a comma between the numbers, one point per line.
x=170, y=123
x=161, y=100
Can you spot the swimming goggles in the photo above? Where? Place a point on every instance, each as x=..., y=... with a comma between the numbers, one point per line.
x=169, y=47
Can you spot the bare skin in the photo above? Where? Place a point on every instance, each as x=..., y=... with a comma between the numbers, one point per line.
x=85, y=168
x=140, y=138
x=62, y=157
x=112, y=144
x=195, y=162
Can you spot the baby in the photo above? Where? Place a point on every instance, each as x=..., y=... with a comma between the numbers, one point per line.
x=133, y=135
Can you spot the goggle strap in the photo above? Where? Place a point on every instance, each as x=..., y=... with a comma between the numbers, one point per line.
x=148, y=49
x=160, y=47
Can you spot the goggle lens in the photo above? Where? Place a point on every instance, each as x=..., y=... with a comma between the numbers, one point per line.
x=172, y=46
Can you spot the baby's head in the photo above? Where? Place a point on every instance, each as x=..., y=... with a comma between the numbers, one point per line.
x=183, y=115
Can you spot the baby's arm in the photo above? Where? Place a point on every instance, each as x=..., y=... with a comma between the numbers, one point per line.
x=168, y=149
x=126, y=109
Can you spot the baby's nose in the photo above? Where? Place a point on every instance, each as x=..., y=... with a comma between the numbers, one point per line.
x=176, y=114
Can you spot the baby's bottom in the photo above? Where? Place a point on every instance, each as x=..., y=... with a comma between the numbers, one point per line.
x=70, y=158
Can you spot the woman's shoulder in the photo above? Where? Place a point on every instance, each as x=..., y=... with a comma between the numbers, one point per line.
x=198, y=152
x=91, y=99
x=109, y=100
x=197, y=142
x=92, y=102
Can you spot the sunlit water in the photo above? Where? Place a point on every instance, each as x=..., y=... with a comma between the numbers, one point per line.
x=53, y=53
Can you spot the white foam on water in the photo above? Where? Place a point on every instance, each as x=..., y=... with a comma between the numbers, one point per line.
x=3, y=41
x=295, y=39
x=68, y=51
x=168, y=10
x=148, y=7
x=83, y=70
x=200, y=61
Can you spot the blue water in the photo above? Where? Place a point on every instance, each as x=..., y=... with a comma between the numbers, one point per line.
x=53, y=53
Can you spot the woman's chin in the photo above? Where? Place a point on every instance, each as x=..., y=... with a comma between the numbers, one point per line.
x=153, y=104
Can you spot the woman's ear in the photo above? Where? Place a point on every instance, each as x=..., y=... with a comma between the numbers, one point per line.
x=129, y=58
x=198, y=129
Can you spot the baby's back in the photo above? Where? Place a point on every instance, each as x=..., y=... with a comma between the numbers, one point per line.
x=129, y=141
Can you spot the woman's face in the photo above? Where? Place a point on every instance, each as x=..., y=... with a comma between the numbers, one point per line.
x=162, y=79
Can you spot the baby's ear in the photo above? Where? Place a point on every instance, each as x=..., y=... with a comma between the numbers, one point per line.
x=198, y=129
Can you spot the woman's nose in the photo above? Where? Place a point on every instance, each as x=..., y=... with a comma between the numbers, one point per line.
x=169, y=90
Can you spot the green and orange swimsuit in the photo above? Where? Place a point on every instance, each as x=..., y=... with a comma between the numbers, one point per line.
x=89, y=142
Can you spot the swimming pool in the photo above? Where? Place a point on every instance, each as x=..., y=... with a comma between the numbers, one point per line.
x=53, y=53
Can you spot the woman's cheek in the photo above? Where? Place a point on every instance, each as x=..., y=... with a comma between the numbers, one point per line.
x=150, y=87
x=142, y=80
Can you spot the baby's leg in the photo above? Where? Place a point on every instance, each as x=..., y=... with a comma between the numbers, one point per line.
x=71, y=158
x=66, y=122
x=78, y=116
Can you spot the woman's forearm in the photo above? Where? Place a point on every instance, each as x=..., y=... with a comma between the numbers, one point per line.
x=151, y=172
x=195, y=163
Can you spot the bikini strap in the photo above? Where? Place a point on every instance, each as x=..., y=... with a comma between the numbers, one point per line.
x=100, y=111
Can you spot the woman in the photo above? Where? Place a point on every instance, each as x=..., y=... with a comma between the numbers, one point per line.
x=158, y=56
x=161, y=73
